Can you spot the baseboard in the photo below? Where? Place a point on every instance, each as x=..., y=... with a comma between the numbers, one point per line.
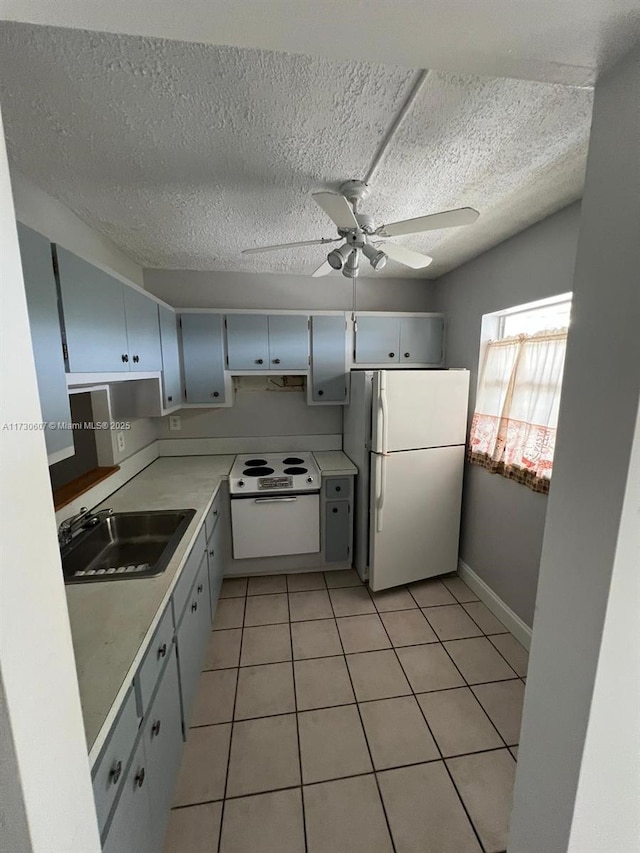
x=520, y=630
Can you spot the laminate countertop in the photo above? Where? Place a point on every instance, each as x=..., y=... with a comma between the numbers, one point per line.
x=334, y=463
x=112, y=623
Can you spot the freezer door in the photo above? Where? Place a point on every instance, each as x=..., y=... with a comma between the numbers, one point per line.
x=415, y=518
x=419, y=408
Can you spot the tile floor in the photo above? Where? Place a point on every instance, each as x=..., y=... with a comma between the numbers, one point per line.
x=334, y=720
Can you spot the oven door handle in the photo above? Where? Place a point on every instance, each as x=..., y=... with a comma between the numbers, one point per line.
x=275, y=500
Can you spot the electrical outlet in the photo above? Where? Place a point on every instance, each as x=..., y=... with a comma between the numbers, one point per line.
x=174, y=422
x=120, y=439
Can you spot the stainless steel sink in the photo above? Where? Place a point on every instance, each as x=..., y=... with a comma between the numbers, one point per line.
x=125, y=545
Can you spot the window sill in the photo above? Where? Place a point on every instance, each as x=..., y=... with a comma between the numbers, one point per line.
x=72, y=490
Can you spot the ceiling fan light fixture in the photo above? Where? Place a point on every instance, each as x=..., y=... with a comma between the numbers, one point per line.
x=338, y=257
x=352, y=266
x=376, y=258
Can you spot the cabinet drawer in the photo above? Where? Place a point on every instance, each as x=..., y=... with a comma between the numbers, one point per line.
x=213, y=515
x=189, y=571
x=338, y=488
x=155, y=658
x=111, y=768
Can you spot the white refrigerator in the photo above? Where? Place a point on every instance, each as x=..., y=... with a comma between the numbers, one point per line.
x=406, y=430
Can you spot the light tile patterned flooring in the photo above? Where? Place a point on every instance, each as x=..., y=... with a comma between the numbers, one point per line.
x=334, y=720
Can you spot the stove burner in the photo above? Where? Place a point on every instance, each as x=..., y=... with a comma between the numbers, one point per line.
x=251, y=463
x=260, y=471
x=295, y=470
x=293, y=460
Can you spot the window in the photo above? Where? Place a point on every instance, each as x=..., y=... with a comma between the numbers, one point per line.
x=514, y=424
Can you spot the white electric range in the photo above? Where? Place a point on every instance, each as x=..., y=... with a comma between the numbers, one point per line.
x=275, y=504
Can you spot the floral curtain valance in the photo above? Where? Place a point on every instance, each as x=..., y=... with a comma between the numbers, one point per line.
x=513, y=431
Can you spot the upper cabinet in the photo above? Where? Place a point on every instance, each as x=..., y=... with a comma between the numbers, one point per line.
x=44, y=320
x=109, y=327
x=329, y=376
x=143, y=332
x=388, y=340
x=267, y=342
x=171, y=382
x=203, y=358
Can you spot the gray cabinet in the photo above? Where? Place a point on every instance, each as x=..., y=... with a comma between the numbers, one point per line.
x=94, y=319
x=337, y=531
x=288, y=341
x=46, y=339
x=247, y=341
x=129, y=830
x=329, y=378
x=421, y=340
x=171, y=385
x=143, y=331
x=191, y=638
x=163, y=750
x=267, y=341
x=397, y=340
x=203, y=358
x=377, y=340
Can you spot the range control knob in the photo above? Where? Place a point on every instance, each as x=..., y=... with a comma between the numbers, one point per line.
x=240, y=483
x=309, y=479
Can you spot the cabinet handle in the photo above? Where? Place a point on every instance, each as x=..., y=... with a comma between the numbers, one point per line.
x=114, y=773
x=170, y=399
x=194, y=606
x=139, y=779
x=276, y=361
x=407, y=354
x=392, y=355
x=125, y=357
x=162, y=651
x=136, y=359
x=215, y=394
x=320, y=393
x=200, y=588
x=259, y=361
x=334, y=509
x=155, y=729
x=212, y=553
x=215, y=512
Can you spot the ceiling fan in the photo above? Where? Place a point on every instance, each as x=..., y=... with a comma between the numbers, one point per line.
x=359, y=235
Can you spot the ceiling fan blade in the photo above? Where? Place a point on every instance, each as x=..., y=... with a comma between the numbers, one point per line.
x=290, y=245
x=323, y=269
x=408, y=257
x=432, y=222
x=337, y=208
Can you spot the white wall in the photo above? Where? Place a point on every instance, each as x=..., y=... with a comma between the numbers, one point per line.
x=36, y=656
x=211, y=289
x=503, y=521
x=45, y=214
x=578, y=782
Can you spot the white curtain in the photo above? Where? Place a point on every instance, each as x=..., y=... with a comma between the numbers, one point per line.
x=514, y=425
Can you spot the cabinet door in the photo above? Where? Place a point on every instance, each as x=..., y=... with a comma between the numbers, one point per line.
x=337, y=531
x=192, y=636
x=421, y=340
x=163, y=750
x=377, y=340
x=46, y=339
x=215, y=547
x=130, y=829
x=94, y=320
x=172, y=392
x=203, y=358
x=143, y=331
x=328, y=359
x=247, y=341
x=289, y=341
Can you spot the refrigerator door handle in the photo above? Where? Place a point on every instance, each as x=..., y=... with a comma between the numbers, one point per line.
x=380, y=497
x=384, y=410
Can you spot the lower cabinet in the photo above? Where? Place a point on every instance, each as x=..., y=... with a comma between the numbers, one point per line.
x=215, y=550
x=191, y=637
x=129, y=830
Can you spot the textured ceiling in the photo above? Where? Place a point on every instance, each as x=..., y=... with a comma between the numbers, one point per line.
x=184, y=154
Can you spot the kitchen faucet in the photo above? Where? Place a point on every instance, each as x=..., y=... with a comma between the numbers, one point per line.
x=85, y=518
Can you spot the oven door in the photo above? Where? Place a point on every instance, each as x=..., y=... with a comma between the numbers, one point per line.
x=272, y=526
